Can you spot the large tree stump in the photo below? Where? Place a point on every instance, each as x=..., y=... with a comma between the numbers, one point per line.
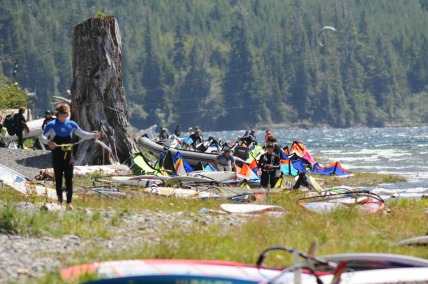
x=97, y=94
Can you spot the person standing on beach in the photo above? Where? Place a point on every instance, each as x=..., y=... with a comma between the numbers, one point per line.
x=269, y=162
x=48, y=117
x=20, y=121
x=58, y=135
x=225, y=161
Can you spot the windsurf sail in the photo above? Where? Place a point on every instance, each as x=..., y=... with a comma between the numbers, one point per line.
x=300, y=150
x=334, y=168
x=245, y=172
x=287, y=168
x=179, y=161
x=141, y=165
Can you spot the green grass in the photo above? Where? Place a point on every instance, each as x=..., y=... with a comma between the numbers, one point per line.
x=339, y=232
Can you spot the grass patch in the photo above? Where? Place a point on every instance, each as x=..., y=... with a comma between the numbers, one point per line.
x=342, y=231
x=361, y=179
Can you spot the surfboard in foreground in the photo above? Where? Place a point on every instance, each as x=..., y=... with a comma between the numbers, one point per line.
x=176, y=271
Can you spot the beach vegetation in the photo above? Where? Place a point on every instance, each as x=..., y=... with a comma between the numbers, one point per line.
x=199, y=236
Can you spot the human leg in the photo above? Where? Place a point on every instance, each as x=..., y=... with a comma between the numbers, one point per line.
x=68, y=174
x=273, y=179
x=20, y=140
x=57, y=164
x=264, y=179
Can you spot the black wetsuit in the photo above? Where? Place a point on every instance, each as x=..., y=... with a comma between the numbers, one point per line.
x=269, y=174
x=61, y=162
x=19, y=127
x=61, y=133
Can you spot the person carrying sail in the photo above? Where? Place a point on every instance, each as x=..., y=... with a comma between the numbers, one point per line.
x=58, y=135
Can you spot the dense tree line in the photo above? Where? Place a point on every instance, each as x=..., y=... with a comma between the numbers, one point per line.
x=233, y=64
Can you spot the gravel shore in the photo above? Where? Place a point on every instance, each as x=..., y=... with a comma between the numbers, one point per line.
x=25, y=259
x=26, y=162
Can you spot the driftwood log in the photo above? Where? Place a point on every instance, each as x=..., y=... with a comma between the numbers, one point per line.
x=98, y=100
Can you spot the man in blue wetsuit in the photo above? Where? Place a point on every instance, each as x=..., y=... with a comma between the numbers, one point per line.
x=58, y=135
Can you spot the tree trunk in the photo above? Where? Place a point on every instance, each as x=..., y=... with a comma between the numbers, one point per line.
x=97, y=94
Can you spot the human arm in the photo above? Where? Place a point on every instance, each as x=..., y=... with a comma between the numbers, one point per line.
x=216, y=164
x=87, y=135
x=47, y=135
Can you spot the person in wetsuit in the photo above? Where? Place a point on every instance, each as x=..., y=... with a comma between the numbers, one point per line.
x=269, y=162
x=19, y=126
x=249, y=138
x=58, y=135
x=195, y=138
x=48, y=117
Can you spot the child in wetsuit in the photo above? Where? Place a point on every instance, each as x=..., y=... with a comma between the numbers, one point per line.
x=58, y=135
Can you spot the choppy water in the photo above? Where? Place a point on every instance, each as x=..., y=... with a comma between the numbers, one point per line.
x=396, y=150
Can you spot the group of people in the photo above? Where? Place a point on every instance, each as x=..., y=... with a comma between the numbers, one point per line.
x=269, y=162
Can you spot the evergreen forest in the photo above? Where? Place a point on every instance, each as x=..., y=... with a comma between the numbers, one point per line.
x=237, y=64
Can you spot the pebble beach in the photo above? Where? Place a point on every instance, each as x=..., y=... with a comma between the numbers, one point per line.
x=26, y=162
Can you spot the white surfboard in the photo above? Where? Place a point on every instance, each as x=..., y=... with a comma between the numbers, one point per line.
x=220, y=176
x=27, y=188
x=35, y=127
x=9, y=175
x=186, y=179
x=250, y=208
x=376, y=276
x=366, y=261
x=416, y=241
x=178, y=271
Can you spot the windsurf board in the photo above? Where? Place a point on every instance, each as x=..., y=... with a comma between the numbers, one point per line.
x=177, y=180
x=27, y=188
x=220, y=176
x=250, y=208
x=392, y=275
x=176, y=271
x=368, y=261
x=416, y=241
x=9, y=175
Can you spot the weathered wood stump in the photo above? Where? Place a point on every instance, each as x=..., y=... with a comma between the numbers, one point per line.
x=98, y=100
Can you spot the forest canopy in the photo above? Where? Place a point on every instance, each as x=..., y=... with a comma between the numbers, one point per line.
x=235, y=64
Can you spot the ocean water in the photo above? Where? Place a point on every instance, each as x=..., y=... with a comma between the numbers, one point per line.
x=394, y=150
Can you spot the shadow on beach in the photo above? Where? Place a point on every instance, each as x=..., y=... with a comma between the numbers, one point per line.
x=41, y=161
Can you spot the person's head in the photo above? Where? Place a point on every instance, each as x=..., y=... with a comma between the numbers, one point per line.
x=62, y=111
x=226, y=151
x=271, y=139
x=198, y=132
x=270, y=147
x=22, y=110
x=252, y=132
x=48, y=113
